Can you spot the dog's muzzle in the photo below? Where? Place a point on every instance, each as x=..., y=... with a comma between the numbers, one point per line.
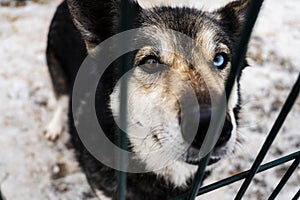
x=196, y=140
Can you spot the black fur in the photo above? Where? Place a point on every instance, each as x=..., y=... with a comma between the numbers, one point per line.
x=65, y=50
x=65, y=53
x=1, y=197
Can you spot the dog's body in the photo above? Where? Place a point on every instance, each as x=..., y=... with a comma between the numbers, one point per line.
x=153, y=107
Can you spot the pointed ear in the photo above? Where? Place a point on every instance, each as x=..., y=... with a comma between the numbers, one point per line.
x=97, y=20
x=233, y=15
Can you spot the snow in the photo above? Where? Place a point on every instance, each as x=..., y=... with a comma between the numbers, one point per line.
x=33, y=168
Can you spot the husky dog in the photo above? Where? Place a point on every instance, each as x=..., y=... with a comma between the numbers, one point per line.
x=80, y=25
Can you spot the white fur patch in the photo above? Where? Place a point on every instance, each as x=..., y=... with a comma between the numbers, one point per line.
x=178, y=173
x=233, y=100
x=101, y=195
x=203, y=4
x=55, y=127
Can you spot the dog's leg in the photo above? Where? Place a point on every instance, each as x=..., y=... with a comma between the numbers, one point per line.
x=57, y=69
x=56, y=126
x=65, y=53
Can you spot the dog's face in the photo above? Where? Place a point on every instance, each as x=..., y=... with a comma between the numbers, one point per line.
x=162, y=73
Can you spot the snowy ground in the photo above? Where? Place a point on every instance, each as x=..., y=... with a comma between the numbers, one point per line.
x=33, y=168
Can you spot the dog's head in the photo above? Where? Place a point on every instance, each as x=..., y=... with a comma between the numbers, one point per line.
x=161, y=112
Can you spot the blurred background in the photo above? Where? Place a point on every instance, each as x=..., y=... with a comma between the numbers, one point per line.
x=33, y=168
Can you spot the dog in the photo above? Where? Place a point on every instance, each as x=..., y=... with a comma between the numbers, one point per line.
x=76, y=30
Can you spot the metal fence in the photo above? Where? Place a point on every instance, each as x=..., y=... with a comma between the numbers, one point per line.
x=256, y=167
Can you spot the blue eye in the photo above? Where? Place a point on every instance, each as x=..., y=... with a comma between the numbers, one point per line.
x=220, y=61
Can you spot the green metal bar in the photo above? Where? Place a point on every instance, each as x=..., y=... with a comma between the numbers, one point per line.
x=271, y=136
x=199, y=177
x=242, y=175
x=237, y=63
x=297, y=195
x=127, y=14
x=285, y=178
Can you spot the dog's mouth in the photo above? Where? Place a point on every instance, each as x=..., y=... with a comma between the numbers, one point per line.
x=217, y=154
x=219, y=151
x=193, y=158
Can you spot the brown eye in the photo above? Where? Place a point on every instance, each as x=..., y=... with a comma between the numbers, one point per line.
x=151, y=65
x=151, y=61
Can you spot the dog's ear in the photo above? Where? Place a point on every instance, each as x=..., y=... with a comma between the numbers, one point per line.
x=97, y=20
x=233, y=15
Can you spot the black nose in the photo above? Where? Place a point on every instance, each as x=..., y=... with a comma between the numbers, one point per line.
x=188, y=122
